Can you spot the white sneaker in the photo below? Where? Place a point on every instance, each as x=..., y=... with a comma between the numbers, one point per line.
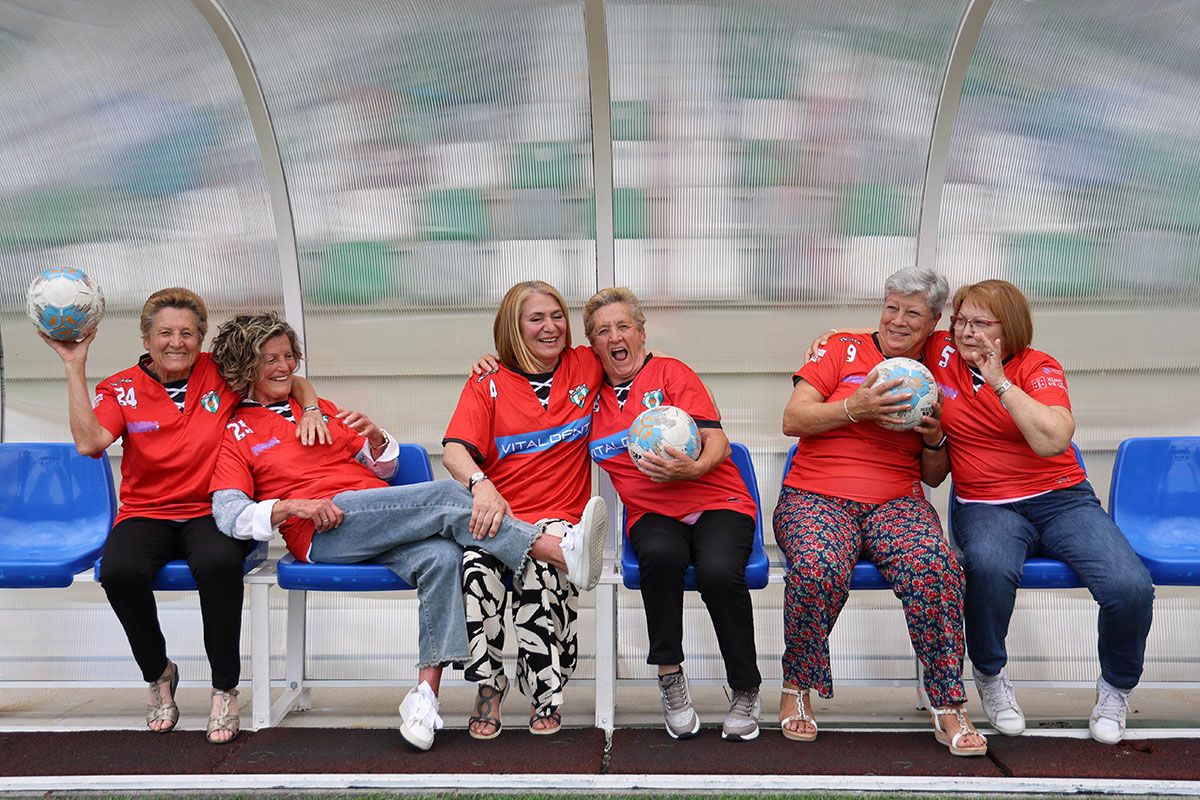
x=583, y=545
x=1000, y=703
x=1107, y=724
x=419, y=718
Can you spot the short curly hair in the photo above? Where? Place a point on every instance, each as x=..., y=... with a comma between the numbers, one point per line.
x=238, y=346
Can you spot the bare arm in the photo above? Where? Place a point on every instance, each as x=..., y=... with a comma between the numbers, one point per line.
x=807, y=412
x=488, y=506
x=1047, y=429
x=90, y=436
x=935, y=460
x=311, y=429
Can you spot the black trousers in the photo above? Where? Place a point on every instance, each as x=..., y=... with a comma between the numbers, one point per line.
x=136, y=550
x=719, y=545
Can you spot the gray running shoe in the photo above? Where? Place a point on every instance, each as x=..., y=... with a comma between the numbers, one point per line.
x=741, y=723
x=682, y=720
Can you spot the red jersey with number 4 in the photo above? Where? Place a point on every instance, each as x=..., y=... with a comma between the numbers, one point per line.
x=989, y=457
x=536, y=457
x=665, y=382
x=167, y=455
x=261, y=456
x=857, y=461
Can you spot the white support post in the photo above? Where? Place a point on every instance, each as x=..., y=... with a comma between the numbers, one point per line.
x=606, y=654
x=260, y=654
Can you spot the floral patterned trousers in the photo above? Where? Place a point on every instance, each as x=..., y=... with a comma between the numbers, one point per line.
x=822, y=537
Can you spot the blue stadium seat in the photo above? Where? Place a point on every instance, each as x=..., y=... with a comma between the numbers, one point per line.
x=1155, y=500
x=758, y=568
x=1039, y=572
x=865, y=574
x=412, y=466
x=56, y=509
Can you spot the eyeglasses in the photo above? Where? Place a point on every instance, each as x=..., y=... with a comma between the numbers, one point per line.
x=962, y=323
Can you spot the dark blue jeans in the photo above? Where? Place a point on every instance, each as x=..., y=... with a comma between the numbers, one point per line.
x=1068, y=525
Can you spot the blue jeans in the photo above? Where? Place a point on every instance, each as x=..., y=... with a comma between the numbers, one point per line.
x=418, y=531
x=1068, y=525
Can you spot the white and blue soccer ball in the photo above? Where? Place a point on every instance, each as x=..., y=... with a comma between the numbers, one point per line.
x=64, y=303
x=663, y=425
x=918, y=380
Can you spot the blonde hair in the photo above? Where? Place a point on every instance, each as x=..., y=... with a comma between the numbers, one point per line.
x=1009, y=305
x=174, y=297
x=606, y=297
x=506, y=328
x=238, y=345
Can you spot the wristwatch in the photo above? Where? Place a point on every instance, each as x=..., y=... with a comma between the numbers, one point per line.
x=476, y=477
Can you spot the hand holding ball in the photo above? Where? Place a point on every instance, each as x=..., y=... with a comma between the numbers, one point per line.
x=918, y=380
x=663, y=426
x=64, y=303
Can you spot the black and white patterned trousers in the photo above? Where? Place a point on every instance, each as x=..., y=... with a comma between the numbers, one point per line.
x=544, y=615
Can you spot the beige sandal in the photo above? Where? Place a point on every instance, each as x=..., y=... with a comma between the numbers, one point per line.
x=800, y=716
x=223, y=719
x=159, y=711
x=965, y=728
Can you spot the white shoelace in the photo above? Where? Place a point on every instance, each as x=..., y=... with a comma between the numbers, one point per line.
x=1112, y=705
x=999, y=694
x=675, y=690
x=421, y=707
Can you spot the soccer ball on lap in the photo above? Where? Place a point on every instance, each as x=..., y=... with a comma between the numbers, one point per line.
x=64, y=303
x=918, y=380
x=663, y=425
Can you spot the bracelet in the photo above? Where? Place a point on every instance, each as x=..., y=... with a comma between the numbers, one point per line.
x=311, y=408
x=940, y=445
x=1004, y=387
x=846, y=408
x=382, y=445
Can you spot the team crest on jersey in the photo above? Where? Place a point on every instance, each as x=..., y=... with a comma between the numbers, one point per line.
x=579, y=394
x=652, y=399
x=211, y=402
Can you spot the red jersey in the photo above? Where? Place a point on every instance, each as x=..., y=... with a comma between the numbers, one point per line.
x=989, y=457
x=536, y=457
x=666, y=382
x=861, y=462
x=168, y=455
x=261, y=456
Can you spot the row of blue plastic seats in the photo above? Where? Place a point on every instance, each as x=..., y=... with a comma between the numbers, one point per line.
x=56, y=508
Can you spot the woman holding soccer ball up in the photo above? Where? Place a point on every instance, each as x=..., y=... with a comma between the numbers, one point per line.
x=682, y=510
x=854, y=489
x=170, y=410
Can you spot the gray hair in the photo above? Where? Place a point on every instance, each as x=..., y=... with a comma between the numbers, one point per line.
x=914, y=280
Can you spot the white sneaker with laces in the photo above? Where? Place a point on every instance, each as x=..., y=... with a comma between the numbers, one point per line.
x=1000, y=703
x=583, y=545
x=419, y=718
x=1107, y=724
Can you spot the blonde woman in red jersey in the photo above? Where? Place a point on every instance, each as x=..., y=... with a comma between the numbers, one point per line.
x=518, y=440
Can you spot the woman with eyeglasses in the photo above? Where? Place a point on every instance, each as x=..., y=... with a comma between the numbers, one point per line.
x=1020, y=493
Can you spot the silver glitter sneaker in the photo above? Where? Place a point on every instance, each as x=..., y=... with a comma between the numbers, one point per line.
x=682, y=720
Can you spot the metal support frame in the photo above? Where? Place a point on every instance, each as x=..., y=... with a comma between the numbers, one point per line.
x=272, y=162
x=944, y=117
